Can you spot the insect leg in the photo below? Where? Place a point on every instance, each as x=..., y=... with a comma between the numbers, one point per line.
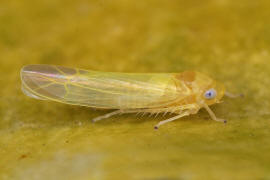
x=112, y=114
x=107, y=115
x=212, y=114
x=171, y=119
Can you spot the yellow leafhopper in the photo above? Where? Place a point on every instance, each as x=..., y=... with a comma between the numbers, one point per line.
x=178, y=93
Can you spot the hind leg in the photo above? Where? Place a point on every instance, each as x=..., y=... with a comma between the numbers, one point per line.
x=171, y=119
x=111, y=114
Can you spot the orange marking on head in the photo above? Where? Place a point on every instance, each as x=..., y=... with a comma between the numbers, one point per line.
x=187, y=76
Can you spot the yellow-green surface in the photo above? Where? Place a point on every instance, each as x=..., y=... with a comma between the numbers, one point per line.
x=229, y=40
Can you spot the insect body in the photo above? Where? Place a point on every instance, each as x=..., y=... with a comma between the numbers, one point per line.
x=179, y=93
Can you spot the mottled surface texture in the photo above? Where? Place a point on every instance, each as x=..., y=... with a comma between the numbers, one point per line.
x=229, y=40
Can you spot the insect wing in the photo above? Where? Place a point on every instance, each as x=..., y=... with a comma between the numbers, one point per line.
x=99, y=89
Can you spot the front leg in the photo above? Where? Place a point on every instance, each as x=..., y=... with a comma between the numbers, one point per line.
x=212, y=114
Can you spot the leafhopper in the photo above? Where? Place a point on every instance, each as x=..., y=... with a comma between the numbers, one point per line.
x=179, y=93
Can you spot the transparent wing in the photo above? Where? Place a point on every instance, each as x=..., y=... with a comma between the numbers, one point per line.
x=101, y=90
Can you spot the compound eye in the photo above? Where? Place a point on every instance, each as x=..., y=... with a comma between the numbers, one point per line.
x=210, y=94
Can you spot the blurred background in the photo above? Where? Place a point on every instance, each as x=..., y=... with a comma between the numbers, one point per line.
x=229, y=40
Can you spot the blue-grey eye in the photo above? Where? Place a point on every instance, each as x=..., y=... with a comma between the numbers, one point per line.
x=210, y=94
